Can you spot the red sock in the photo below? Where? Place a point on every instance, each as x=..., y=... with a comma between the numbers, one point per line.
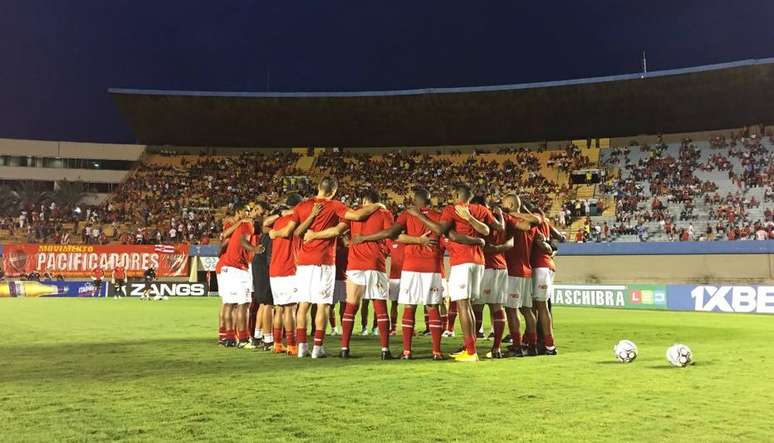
x=332, y=317
x=301, y=335
x=445, y=321
x=479, y=316
x=231, y=334
x=548, y=341
x=319, y=336
x=408, y=327
x=382, y=321
x=221, y=333
x=470, y=344
x=427, y=320
x=347, y=324
x=498, y=323
x=513, y=328
x=452, y=316
x=532, y=338
x=393, y=316
x=277, y=334
x=290, y=337
x=436, y=329
x=243, y=334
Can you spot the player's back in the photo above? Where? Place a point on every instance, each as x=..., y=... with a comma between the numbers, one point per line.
x=495, y=260
x=518, y=257
x=538, y=257
x=369, y=255
x=236, y=256
x=322, y=251
x=421, y=258
x=462, y=253
x=283, y=260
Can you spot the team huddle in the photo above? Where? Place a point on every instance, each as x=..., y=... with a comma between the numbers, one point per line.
x=320, y=253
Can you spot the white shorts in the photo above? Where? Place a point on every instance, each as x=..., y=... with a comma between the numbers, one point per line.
x=445, y=286
x=377, y=285
x=543, y=288
x=315, y=283
x=420, y=288
x=518, y=292
x=284, y=290
x=394, y=289
x=234, y=286
x=340, y=291
x=465, y=281
x=493, y=286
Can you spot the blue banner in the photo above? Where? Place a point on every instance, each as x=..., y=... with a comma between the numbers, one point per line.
x=46, y=288
x=721, y=298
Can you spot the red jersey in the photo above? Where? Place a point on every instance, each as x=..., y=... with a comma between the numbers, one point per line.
x=397, y=252
x=99, y=273
x=119, y=272
x=460, y=253
x=421, y=258
x=235, y=255
x=538, y=257
x=495, y=260
x=369, y=256
x=319, y=252
x=283, y=259
x=341, y=261
x=517, y=258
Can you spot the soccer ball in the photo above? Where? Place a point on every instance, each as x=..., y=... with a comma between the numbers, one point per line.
x=625, y=351
x=679, y=355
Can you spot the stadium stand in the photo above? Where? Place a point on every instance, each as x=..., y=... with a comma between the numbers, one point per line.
x=714, y=189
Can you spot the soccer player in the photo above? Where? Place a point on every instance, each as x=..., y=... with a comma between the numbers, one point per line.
x=234, y=279
x=366, y=274
x=262, y=301
x=396, y=265
x=149, y=276
x=316, y=260
x=340, y=286
x=97, y=275
x=282, y=274
x=119, y=281
x=521, y=228
x=466, y=260
x=420, y=277
x=543, y=268
x=494, y=283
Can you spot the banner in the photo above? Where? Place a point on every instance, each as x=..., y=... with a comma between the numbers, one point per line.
x=207, y=263
x=729, y=298
x=168, y=288
x=35, y=289
x=80, y=260
x=611, y=296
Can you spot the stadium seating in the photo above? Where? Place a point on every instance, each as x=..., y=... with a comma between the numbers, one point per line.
x=698, y=186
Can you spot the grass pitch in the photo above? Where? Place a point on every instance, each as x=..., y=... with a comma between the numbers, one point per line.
x=93, y=370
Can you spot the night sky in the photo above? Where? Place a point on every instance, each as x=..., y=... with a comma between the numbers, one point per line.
x=59, y=57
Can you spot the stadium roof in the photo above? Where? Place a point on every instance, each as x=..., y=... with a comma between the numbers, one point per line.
x=679, y=100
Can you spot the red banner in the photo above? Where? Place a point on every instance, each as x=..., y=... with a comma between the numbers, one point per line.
x=81, y=260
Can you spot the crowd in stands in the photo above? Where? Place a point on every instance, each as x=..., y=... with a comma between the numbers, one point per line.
x=672, y=181
x=161, y=202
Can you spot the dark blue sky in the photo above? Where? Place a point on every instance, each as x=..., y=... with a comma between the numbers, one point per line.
x=59, y=57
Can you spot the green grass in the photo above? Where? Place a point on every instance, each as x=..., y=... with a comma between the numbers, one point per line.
x=93, y=370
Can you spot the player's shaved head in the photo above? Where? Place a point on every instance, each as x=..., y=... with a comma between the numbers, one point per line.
x=478, y=200
x=370, y=194
x=421, y=196
x=293, y=199
x=512, y=203
x=463, y=192
x=328, y=186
